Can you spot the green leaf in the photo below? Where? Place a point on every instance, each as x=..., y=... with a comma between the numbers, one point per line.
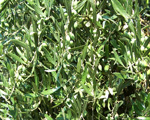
x=77, y=48
x=102, y=45
x=122, y=46
x=3, y=5
x=29, y=7
x=79, y=65
x=93, y=3
x=35, y=31
x=146, y=52
x=68, y=7
x=21, y=54
x=62, y=13
x=123, y=85
x=1, y=49
x=39, y=11
x=48, y=117
x=117, y=57
x=57, y=78
x=80, y=5
x=147, y=42
x=21, y=44
x=131, y=25
x=119, y=8
x=30, y=2
x=84, y=75
x=143, y=118
x=86, y=89
x=114, y=43
x=140, y=105
x=36, y=77
x=84, y=51
x=129, y=7
x=118, y=75
x=138, y=28
x=75, y=105
x=136, y=9
x=48, y=56
x=2, y=92
x=31, y=95
x=15, y=57
x=34, y=64
x=54, y=75
x=117, y=105
x=50, y=91
x=107, y=50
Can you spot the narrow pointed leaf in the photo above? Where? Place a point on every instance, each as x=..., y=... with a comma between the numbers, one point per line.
x=79, y=65
x=48, y=56
x=84, y=51
x=50, y=91
x=119, y=8
x=147, y=42
x=84, y=74
x=39, y=11
x=21, y=44
x=86, y=89
x=15, y=57
x=117, y=57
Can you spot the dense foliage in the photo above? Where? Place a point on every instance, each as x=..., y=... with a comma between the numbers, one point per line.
x=74, y=59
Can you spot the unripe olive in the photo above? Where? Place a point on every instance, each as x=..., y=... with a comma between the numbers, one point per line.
x=75, y=24
x=69, y=56
x=106, y=68
x=71, y=42
x=100, y=67
x=71, y=35
x=68, y=38
x=65, y=14
x=88, y=24
x=148, y=72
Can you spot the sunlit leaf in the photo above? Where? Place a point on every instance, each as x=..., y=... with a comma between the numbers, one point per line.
x=50, y=91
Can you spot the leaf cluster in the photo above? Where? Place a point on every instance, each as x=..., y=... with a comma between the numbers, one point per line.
x=74, y=60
